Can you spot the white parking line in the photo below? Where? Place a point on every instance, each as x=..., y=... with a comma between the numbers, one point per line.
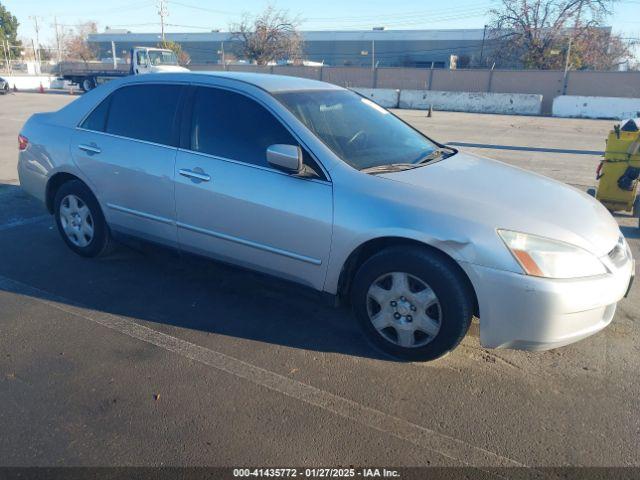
x=23, y=221
x=452, y=448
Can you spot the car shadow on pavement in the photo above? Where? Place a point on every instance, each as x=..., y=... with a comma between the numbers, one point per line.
x=157, y=285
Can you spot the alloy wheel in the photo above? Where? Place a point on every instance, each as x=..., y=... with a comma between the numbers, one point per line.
x=404, y=309
x=77, y=222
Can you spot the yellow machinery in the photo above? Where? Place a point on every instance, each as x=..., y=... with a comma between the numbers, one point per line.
x=619, y=171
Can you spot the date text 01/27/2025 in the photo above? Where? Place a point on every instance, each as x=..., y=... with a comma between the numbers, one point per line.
x=315, y=472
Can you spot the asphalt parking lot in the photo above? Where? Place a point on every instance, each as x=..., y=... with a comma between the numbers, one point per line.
x=147, y=358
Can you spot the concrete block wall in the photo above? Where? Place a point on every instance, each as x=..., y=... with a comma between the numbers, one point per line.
x=477, y=102
x=29, y=82
x=386, y=97
x=596, y=107
x=32, y=82
x=548, y=83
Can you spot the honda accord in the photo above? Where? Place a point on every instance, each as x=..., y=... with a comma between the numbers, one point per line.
x=313, y=183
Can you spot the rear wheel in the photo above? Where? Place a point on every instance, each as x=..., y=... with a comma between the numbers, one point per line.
x=87, y=84
x=80, y=220
x=412, y=303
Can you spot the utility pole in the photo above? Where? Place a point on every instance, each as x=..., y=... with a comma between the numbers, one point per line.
x=58, y=42
x=484, y=33
x=6, y=56
x=113, y=54
x=163, y=12
x=566, y=67
x=35, y=53
x=10, y=59
x=373, y=54
x=37, y=29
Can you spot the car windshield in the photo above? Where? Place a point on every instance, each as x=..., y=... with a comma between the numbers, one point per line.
x=357, y=130
x=158, y=57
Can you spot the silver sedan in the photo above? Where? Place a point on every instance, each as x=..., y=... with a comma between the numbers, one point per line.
x=313, y=183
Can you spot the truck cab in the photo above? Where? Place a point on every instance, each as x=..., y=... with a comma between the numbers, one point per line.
x=153, y=60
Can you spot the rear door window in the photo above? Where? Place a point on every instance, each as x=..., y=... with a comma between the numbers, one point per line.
x=145, y=112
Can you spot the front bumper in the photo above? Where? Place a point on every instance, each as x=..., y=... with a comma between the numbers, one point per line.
x=531, y=313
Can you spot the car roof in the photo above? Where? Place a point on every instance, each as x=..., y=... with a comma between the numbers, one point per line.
x=266, y=81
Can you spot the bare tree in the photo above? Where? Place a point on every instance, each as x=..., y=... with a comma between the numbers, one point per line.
x=184, y=58
x=270, y=36
x=76, y=45
x=537, y=34
x=598, y=49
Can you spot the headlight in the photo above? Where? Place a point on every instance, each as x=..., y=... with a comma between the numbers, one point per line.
x=542, y=257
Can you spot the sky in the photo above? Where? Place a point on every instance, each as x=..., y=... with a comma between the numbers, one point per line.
x=207, y=15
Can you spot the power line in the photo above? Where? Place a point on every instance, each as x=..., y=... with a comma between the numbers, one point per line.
x=189, y=26
x=412, y=14
x=125, y=7
x=196, y=7
x=419, y=20
x=433, y=18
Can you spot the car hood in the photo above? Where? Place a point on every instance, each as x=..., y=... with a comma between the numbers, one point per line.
x=502, y=196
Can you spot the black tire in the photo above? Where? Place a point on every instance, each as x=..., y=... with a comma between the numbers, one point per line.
x=592, y=192
x=87, y=84
x=101, y=243
x=441, y=275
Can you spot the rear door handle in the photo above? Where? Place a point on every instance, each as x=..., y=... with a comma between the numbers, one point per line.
x=192, y=174
x=89, y=148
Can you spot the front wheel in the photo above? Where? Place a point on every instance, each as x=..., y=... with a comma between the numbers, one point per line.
x=413, y=303
x=80, y=220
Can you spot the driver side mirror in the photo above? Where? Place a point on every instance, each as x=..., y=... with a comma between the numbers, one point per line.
x=287, y=158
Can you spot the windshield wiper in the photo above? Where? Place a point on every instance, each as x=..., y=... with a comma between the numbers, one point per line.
x=435, y=154
x=390, y=167
x=396, y=167
x=430, y=156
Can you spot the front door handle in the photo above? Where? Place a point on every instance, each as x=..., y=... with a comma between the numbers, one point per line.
x=89, y=148
x=193, y=174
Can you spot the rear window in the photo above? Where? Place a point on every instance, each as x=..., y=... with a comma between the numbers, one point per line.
x=142, y=112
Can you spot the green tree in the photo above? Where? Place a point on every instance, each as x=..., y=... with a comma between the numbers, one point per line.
x=9, y=29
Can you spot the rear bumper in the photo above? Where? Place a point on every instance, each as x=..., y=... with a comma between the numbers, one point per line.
x=530, y=313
